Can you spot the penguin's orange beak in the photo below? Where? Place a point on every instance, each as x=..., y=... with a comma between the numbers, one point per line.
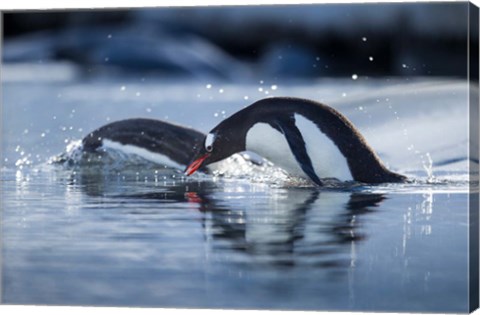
x=195, y=165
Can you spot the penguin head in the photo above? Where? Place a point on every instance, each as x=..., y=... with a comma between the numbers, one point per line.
x=221, y=142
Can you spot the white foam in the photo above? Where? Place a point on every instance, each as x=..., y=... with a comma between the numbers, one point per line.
x=144, y=153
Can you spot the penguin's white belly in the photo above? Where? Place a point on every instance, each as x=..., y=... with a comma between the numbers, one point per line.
x=142, y=152
x=327, y=160
x=268, y=142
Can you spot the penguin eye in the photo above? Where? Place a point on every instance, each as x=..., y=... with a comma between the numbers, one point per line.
x=209, y=142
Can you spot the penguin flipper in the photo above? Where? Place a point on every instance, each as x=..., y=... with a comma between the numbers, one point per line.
x=297, y=146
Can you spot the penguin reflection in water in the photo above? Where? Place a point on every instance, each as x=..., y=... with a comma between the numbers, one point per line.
x=303, y=137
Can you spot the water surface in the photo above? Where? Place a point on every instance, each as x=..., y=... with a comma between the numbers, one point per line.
x=136, y=234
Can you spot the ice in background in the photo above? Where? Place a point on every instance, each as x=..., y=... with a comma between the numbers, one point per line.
x=136, y=234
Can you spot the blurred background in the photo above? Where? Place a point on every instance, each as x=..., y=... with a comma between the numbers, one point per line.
x=246, y=42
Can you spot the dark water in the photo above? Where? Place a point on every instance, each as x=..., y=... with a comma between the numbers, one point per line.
x=133, y=235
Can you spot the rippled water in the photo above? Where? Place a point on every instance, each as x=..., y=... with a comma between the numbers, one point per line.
x=139, y=235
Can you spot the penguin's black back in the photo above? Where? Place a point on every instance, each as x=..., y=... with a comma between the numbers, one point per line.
x=176, y=142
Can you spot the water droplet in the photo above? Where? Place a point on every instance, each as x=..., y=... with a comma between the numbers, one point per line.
x=148, y=110
x=344, y=94
x=370, y=58
x=109, y=36
x=215, y=115
x=208, y=86
x=354, y=76
x=360, y=107
x=274, y=87
x=404, y=66
x=220, y=91
x=42, y=135
x=107, y=59
x=245, y=97
x=123, y=88
x=364, y=39
x=260, y=89
x=261, y=81
x=137, y=94
x=25, y=131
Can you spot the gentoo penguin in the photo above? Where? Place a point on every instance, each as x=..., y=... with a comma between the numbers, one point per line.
x=304, y=137
x=155, y=140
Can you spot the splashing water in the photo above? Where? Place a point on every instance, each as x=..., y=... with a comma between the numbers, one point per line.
x=428, y=167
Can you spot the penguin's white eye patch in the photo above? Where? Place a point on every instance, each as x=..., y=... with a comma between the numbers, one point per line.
x=209, y=142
